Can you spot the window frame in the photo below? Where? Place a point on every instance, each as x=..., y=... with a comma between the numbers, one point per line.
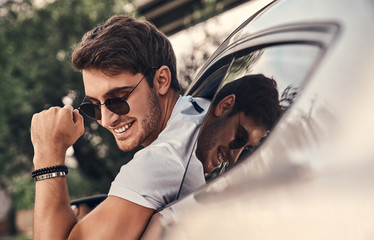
x=319, y=34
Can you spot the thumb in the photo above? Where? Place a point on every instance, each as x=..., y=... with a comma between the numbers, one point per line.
x=78, y=121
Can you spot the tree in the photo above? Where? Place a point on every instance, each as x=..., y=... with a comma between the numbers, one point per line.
x=204, y=41
x=35, y=72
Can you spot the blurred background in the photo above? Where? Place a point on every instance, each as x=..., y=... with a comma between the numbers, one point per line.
x=36, y=42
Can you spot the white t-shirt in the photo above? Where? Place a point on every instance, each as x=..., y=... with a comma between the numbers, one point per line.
x=153, y=177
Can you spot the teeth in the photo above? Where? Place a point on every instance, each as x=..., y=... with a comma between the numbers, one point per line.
x=220, y=157
x=123, y=129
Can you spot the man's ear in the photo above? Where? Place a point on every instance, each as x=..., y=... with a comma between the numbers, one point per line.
x=162, y=80
x=225, y=106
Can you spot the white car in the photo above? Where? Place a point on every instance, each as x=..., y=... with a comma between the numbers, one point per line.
x=313, y=176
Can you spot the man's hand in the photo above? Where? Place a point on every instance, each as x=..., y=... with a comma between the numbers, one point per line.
x=53, y=131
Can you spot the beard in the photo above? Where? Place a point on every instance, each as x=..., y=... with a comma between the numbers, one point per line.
x=148, y=125
x=152, y=119
x=208, y=139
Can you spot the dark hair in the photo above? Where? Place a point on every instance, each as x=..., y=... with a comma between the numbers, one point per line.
x=125, y=44
x=256, y=96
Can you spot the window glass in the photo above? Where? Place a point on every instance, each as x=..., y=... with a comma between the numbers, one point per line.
x=210, y=83
x=223, y=138
x=288, y=65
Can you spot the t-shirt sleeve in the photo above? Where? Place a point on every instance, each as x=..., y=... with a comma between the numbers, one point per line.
x=151, y=179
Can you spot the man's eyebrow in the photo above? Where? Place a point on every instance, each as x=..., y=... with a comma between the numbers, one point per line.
x=89, y=98
x=117, y=89
x=110, y=92
x=244, y=131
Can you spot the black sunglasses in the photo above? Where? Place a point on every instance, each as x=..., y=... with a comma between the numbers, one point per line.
x=241, y=137
x=117, y=105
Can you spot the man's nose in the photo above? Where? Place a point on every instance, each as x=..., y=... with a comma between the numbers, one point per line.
x=107, y=117
x=234, y=154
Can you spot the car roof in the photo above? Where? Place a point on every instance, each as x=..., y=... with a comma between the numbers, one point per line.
x=278, y=14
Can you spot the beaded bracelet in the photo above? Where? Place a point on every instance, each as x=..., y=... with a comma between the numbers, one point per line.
x=53, y=169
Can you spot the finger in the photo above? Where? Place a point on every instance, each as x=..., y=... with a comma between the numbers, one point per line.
x=78, y=120
x=76, y=116
x=69, y=107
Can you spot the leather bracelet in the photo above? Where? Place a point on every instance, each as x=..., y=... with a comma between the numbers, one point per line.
x=49, y=175
x=58, y=168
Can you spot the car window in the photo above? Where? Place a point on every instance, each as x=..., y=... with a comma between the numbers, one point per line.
x=211, y=81
x=288, y=65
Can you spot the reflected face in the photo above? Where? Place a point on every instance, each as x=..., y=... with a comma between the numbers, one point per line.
x=139, y=126
x=220, y=138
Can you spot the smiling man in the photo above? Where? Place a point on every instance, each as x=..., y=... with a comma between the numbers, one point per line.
x=129, y=75
x=241, y=114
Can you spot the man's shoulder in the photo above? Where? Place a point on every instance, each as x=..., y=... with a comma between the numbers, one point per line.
x=189, y=110
x=181, y=131
x=187, y=116
x=189, y=105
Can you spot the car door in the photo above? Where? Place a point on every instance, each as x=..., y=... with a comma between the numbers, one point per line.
x=287, y=54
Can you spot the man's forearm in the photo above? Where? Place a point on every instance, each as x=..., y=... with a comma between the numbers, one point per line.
x=53, y=216
x=53, y=131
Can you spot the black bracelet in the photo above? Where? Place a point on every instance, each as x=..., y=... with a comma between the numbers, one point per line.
x=58, y=168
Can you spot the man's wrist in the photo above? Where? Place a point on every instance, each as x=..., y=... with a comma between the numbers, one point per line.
x=45, y=159
x=49, y=175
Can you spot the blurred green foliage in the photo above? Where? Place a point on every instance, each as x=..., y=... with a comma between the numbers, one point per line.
x=36, y=73
x=22, y=192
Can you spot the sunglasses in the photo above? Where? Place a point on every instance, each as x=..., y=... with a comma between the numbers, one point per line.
x=117, y=105
x=241, y=138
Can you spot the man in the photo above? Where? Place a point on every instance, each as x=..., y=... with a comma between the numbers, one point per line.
x=129, y=75
x=241, y=114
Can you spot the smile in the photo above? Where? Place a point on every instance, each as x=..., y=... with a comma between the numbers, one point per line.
x=124, y=128
x=220, y=157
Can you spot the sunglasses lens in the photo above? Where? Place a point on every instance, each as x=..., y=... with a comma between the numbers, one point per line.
x=117, y=105
x=237, y=143
x=91, y=110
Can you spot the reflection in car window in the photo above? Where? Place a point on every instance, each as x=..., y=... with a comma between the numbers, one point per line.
x=210, y=84
x=288, y=64
x=240, y=116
